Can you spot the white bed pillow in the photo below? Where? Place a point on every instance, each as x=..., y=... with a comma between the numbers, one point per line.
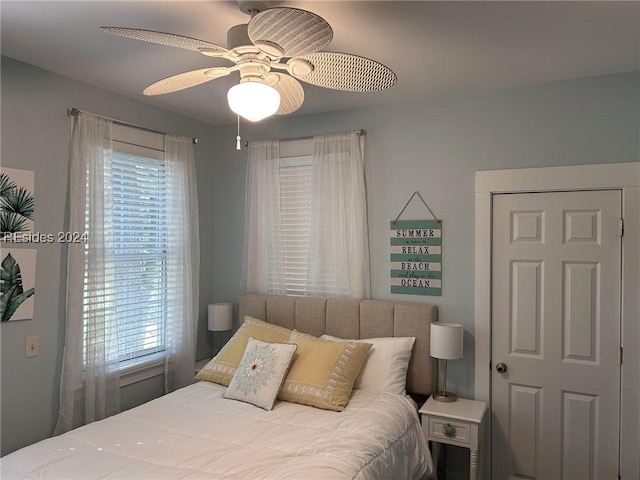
x=261, y=373
x=385, y=369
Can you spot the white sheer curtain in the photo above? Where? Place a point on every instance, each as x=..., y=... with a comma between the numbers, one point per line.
x=90, y=382
x=94, y=394
x=339, y=239
x=263, y=260
x=183, y=262
x=338, y=247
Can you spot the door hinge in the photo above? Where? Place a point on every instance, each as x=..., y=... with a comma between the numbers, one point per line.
x=621, y=356
x=621, y=228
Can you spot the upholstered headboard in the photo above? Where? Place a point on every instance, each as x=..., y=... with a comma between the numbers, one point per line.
x=354, y=318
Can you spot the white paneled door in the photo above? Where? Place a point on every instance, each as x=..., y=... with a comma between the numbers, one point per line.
x=556, y=260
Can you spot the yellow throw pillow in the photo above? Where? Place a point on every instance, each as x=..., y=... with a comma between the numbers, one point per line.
x=322, y=373
x=221, y=368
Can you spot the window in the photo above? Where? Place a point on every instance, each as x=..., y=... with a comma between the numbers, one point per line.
x=305, y=218
x=295, y=191
x=140, y=246
x=136, y=178
x=132, y=287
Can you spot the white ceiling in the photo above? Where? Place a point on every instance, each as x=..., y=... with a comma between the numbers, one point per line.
x=435, y=48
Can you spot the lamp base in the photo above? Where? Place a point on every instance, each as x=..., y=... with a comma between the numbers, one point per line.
x=445, y=397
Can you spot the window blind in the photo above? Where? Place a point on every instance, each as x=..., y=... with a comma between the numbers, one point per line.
x=295, y=188
x=138, y=229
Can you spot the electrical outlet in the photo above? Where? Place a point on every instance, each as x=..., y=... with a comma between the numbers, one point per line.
x=31, y=347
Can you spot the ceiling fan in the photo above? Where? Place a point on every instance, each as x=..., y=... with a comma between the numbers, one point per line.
x=278, y=47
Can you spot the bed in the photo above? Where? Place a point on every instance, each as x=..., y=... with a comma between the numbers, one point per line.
x=196, y=432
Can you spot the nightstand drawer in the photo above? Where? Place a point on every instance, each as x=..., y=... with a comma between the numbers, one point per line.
x=444, y=430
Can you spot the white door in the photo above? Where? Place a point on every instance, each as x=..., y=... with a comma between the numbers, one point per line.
x=556, y=329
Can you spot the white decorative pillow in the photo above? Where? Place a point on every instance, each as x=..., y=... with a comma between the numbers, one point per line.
x=261, y=372
x=385, y=369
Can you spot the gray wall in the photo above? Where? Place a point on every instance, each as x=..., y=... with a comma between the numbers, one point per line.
x=434, y=147
x=35, y=136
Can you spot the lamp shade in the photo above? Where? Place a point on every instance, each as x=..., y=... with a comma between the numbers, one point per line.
x=220, y=317
x=446, y=340
x=253, y=100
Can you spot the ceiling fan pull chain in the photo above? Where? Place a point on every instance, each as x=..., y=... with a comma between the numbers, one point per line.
x=238, y=146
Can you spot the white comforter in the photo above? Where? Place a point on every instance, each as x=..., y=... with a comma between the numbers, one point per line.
x=194, y=433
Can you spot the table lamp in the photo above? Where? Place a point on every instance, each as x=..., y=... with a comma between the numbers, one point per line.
x=220, y=317
x=446, y=344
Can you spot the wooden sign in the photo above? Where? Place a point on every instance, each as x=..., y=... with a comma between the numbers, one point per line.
x=416, y=257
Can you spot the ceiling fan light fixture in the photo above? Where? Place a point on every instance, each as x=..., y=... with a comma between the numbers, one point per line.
x=285, y=39
x=253, y=100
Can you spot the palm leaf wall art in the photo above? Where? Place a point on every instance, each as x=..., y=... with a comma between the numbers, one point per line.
x=16, y=201
x=12, y=290
x=17, y=266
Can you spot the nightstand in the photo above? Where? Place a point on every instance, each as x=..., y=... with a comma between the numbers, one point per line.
x=459, y=423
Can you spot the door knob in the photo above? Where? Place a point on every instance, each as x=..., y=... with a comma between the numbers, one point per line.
x=501, y=367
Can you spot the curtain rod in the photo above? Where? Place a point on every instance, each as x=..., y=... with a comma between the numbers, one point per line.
x=74, y=111
x=361, y=133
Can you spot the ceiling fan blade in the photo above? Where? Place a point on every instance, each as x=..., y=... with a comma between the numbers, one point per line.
x=295, y=31
x=186, y=80
x=343, y=71
x=168, y=39
x=291, y=92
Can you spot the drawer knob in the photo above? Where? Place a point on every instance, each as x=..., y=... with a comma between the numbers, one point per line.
x=449, y=431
